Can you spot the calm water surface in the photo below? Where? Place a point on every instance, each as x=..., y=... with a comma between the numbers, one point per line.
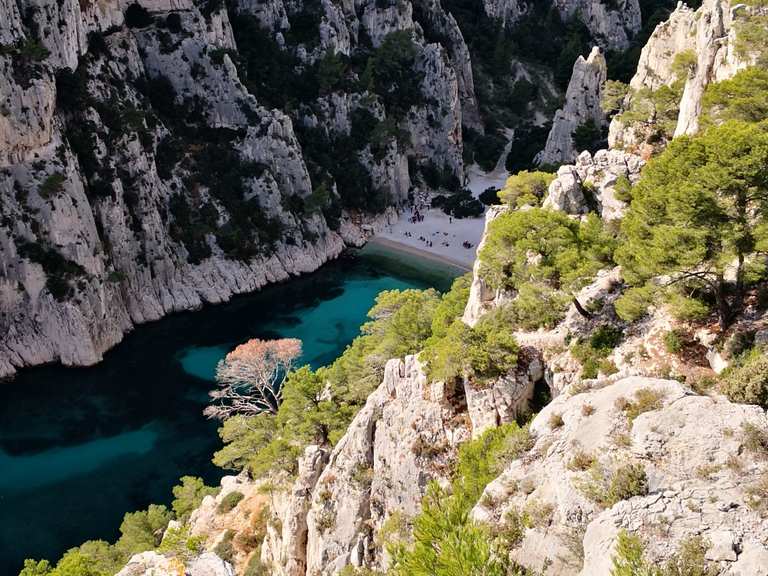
x=79, y=447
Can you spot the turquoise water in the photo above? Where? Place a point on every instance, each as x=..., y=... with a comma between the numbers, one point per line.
x=79, y=447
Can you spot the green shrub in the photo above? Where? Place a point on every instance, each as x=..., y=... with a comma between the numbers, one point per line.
x=689, y=559
x=754, y=439
x=189, y=495
x=256, y=567
x=460, y=204
x=612, y=97
x=136, y=16
x=537, y=306
x=743, y=97
x=634, y=303
x=588, y=136
x=746, y=380
x=607, y=486
x=143, y=530
x=179, y=543
x=224, y=549
x=581, y=461
x=60, y=271
x=674, y=341
x=526, y=188
x=229, y=502
x=390, y=73
x=489, y=196
x=686, y=308
x=487, y=351
x=592, y=352
x=52, y=185
x=605, y=338
x=646, y=400
x=555, y=421
x=445, y=541
x=544, y=247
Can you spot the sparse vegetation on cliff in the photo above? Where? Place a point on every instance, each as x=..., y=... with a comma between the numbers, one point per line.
x=318, y=405
x=445, y=540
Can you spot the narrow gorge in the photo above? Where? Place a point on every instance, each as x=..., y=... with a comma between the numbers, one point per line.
x=590, y=399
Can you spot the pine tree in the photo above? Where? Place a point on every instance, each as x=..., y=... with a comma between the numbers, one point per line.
x=698, y=211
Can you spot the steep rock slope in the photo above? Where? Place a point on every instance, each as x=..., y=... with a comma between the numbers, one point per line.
x=141, y=174
x=690, y=447
x=612, y=25
x=582, y=106
x=692, y=49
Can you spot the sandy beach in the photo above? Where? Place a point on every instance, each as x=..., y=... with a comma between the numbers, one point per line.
x=388, y=244
x=439, y=236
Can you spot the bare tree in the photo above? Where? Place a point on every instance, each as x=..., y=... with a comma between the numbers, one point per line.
x=251, y=377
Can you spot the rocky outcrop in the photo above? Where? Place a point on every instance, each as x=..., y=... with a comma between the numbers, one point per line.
x=481, y=296
x=707, y=37
x=582, y=105
x=404, y=437
x=612, y=25
x=505, y=399
x=154, y=564
x=691, y=449
x=438, y=23
x=506, y=11
x=590, y=183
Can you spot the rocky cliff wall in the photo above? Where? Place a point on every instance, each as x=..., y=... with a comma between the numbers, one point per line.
x=114, y=210
x=703, y=43
x=582, y=105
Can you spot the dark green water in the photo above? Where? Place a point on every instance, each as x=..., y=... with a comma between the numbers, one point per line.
x=80, y=447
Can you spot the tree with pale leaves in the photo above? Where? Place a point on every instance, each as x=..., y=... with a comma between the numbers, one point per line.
x=251, y=378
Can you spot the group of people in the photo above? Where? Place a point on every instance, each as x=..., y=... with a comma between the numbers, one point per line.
x=416, y=217
x=418, y=209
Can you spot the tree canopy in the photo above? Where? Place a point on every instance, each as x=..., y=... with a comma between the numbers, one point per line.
x=543, y=246
x=697, y=212
x=525, y=188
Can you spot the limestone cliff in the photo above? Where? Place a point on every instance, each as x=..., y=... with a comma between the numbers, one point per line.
x=692, y=451
x=142, y=173
x=590, y=183
x=582, y=107
x=611, y=24
x=687, y=52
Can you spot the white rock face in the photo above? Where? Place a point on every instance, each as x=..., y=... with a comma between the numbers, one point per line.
x=590, y=183
x=612, y=26
x=436, y=132
x=709, y=35
x=154, y=564
x=285, y=545
x=11, y=29
x=438, y=21
x=481, y=296
x=26, y=123
x=134, y=269
x=406, y=433
x=582, y=104
x=691, y=450
x=504, y=399
x=508, y=11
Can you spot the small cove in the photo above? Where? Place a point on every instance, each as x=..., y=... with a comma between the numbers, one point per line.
x=79, y=447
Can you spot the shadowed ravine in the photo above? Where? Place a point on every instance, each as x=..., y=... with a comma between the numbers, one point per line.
x=79, y=447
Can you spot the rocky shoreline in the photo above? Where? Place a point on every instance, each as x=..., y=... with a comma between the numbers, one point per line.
x=79, y=336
